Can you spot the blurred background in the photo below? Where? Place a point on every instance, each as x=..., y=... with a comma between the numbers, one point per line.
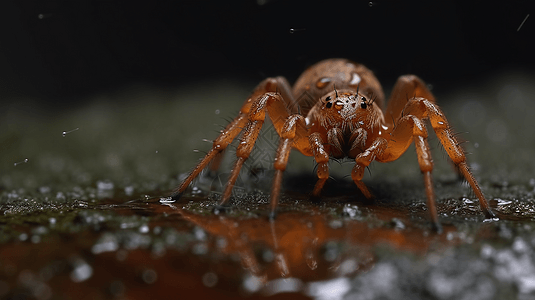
x=53, y=50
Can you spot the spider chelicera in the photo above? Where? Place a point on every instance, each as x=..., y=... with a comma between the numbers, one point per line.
x=335, y=110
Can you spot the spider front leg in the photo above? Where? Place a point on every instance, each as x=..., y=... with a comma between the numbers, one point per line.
x=322, y=159
x=363, y=160
x=278, y=84
x=293, y=134
x=274, y=104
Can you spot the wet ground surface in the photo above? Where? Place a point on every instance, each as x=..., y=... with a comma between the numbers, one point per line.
x=86, y=214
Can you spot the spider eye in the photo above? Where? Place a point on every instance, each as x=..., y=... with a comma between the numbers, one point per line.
x=328, y=98
x=329, y=104
x=363, y=105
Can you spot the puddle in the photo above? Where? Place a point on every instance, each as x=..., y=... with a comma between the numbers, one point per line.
x=156, y=247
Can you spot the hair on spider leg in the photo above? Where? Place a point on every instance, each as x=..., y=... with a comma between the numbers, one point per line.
x=369, y=170
x=200, y=151
x=315, y=168
x=459, y=144
x=221, y=126
x=227, y=119
x=339, y=161
x=346, y=176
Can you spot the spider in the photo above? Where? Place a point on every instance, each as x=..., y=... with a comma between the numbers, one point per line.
x=335, y=110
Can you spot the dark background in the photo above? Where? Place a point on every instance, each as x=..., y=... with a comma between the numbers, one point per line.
x=55, y=50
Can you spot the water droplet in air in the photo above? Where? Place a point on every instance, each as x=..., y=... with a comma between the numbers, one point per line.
x=64, y=133
x=217, y=111
x=21, y=162
x=323, y=82
x=294, y=30
x=43, y=16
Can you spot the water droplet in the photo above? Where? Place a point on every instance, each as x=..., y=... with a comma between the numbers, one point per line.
x=199, y=249
x=524, y=21
x=107, y=243
x=370, y=4
x=129, y=190
x=217, y=111
x=503, y=202
x=398, y=224
x=335, y=224
x=323, y=82
x=82, y=271
x=200, y=234
x=209, y=279
x=64, y=133
x=105, y=185
x=167, y=200
x=43, y=16
x=294, y=30
x=149, y=276
x=21, y=162
x=23, y=237
x=144, y=228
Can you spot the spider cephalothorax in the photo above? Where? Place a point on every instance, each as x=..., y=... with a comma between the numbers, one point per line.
x=345, y=119
x=335, y=110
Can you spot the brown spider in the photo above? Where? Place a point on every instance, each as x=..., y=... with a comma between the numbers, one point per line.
x=335, y=109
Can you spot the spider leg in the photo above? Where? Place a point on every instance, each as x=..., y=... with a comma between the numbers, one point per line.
x=286, y=127
x=422, y=108
x=322, y=159
x=233, y=129
x=406, y=87
x=294, y=129
x=220, y=143
x=215, y=163
x=363, y=160
x=411, y=128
